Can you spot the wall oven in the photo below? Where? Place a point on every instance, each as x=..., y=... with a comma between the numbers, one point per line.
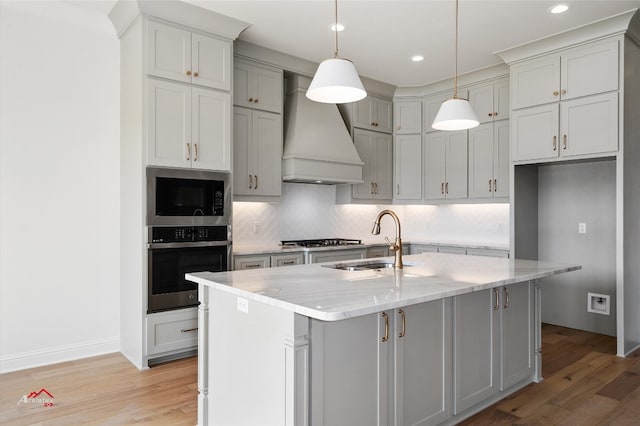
x=174, y=251
x=189, y=230
x=187, y=197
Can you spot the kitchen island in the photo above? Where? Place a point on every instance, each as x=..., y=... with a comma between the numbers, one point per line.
x=432, y=343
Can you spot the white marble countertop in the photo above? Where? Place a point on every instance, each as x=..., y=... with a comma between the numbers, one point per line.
x=246, y=249
x=331, y=294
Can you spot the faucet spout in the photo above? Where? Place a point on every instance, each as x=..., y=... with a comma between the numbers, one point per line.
x=397, y=245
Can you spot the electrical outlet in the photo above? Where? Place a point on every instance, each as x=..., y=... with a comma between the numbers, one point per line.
x=257, y=228
x=582, y=228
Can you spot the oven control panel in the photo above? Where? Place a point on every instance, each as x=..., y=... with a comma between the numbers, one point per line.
x=178, y=234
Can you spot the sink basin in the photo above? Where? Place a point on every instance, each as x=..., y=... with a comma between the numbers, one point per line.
x=363, y=266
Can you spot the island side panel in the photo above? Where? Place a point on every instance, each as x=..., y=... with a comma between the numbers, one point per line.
x=203, y=355
x=256, y=354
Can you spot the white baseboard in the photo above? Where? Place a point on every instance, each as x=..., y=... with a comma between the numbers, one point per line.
x=21, y=361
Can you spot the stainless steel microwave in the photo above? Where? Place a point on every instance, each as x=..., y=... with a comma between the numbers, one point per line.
x=187, y=197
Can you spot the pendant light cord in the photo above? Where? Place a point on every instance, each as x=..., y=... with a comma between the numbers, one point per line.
x=336, y=28
x=455, y=75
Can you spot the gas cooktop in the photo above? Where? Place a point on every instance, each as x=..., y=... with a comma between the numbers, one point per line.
x=324, y=242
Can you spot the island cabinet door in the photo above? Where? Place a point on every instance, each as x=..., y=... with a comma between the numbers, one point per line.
x=423, y=363
x=517, y=340
x=349, y=370
x=476, y=347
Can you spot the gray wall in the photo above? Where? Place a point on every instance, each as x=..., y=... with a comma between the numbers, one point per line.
x=567, y=195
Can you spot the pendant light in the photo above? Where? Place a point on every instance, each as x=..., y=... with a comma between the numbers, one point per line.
x=456, y=113
x=336, y=80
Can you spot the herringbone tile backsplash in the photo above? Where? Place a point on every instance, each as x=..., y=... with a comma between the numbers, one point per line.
x=309, y=211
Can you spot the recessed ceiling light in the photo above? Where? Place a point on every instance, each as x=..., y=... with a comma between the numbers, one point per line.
x=417, y=58
x=337, y=27
x=560, y=8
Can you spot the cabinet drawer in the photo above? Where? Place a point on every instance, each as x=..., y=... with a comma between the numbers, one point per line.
x=287, y=260
x=419, y=249
x=336, y=255
x=488, y=252
x=452, y=250
x=380, y=251
x=172, y=331
x=251, y=262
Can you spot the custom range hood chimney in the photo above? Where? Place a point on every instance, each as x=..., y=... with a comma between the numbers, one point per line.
x=317, y=145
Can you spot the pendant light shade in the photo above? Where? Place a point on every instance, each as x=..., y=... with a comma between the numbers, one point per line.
x=336, y=80
x=456, y=113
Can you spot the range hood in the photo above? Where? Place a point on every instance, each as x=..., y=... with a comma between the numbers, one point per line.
x=317, y=145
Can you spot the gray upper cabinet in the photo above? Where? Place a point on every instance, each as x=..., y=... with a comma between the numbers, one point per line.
x=489, y=160
x=371, y=113
x=257, y=86
x=445, y=162
x=376, y=151
x=577, y=72
x=490, y=102
x=566, y=105
x=407, y=159
x=188, y=57
x=407, y=117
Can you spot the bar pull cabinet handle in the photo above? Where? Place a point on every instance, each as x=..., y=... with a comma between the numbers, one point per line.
x=289, y=262
x=404, y=323
x=375, y=185
x=564, y=141
x=250, y=181
x=256, y=178
x=446, y=187
x=496, y=296
x=506, y=298
x=372, y=189
x=251, y=265
x=442, y=188
x=489, y=185
x=188, y=330
x=397, y=189
x=386, y=327
x=555, y=143
x=195, y=157
x=495, y=185
x=188, y=151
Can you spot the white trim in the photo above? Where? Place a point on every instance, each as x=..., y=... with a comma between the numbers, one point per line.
x=59, y=354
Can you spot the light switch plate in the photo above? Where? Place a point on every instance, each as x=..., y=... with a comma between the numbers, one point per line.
x=582, y=228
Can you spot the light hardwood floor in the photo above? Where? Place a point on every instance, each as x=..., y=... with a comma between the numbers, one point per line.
x=585, y=384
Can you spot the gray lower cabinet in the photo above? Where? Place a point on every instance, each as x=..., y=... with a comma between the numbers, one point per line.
x=269, y=260
x=493, y=343
x=422, y=373
x=362, y=365
x=336, y=255
x=378, y=251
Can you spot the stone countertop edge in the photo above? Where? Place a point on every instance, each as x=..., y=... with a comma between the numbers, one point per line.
x=246, y=250
x=358, y=308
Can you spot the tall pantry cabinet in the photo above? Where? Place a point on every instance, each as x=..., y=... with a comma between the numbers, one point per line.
x=575, y=139
x=176, y=80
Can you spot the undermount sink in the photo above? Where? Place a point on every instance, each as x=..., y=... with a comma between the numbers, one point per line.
x=363, y=266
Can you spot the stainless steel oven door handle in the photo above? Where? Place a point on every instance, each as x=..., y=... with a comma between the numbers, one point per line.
x=188, y=244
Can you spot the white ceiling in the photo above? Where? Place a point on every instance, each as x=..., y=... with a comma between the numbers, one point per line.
x=381, y=36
